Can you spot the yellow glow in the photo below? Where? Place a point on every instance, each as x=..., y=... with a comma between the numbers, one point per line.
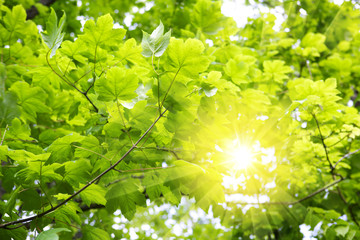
x=241, y=157
x=238, y=156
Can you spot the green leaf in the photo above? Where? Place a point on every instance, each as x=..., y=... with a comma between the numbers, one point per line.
x=342, y=230
x=14, y=234
x=3, y=152
x=89, y=145
x=61, y=149
x=313, y=44
x=31, y=100
x=77, y=172
x=237, y=70
x=311, y=218
x=276, y=70
x=153, y=183
x=119, y=84
x=23, y=156
x=93, y=194
x=66, y=214
x=208, y=191
x=9, y=206
x=102, y=33
x=8, y=109
x=31, y=199
x=207, y=17
x=62, y=196
x=53, y=36
x=125, y=196
x=16, y=25
x=92, y=233
x=156, y=43
x=131, y=52
x=51, y=234
x=2, y=80
x=20, y=131
x=186, y=58
x=74, y=50
x=32, y=172
x=173, y=198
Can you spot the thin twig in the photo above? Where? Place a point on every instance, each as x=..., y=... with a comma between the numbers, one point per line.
x=162, y=149
x=4, y=225
x=341, y=139
x=323, y=143
x=57, y=220
x=141, y=169
x=70, y=83
x=300, y=200
x=92, y=152
x=346, y=156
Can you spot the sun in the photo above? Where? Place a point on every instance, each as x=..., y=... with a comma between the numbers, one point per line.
x=238, y=156
x=241, y=157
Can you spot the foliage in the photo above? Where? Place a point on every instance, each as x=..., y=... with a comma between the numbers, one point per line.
x=100, y=121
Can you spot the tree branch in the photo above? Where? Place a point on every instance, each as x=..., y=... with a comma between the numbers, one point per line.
x=333, y=174
x=5, y=225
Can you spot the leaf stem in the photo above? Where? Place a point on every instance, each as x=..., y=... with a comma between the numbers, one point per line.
x=123, y=121
x=69, y=83
x=167, y=92
x=3, y=137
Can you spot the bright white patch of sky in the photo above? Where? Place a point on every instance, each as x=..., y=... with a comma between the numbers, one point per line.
x=241, y=12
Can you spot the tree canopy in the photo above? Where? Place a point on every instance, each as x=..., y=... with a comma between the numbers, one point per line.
x=122, y=119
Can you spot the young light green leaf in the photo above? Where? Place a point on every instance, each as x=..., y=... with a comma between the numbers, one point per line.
x=53, y=35
x=51, y=234
x=156, y=43
x=102, y=33
x=186, y=58
x=276, y=70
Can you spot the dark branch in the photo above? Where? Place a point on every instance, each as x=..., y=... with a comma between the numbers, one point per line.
x=33, y=11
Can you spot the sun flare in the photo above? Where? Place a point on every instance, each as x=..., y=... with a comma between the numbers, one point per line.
x=237, y=157
x=241, y=157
